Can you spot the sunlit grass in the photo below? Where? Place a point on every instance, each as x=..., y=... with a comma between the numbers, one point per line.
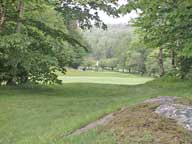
x=89, y=73
x=74, y=76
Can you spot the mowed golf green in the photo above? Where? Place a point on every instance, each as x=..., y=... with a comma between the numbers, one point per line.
x=47, y=114
x=73, y=76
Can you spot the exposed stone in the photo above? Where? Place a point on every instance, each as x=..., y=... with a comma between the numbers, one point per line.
x=170, y=109
x=181, y=113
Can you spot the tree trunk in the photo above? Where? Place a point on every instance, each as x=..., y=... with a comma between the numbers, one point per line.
x=12, y=82
x=124, y=64
x=24, y=78
x=129, y=70
x=123, y=68
x=185, y=66
x=161, y=64
x=2, y=17
x=20, y=16
x=173, y=60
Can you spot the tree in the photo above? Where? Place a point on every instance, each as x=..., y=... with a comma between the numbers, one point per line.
x=36, y=39
x=112, y=43
x=86, y=10
x=109, y=64
x=29, y=50
x=165, y=24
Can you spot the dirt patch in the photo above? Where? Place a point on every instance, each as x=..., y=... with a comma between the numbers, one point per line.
x=140, y=125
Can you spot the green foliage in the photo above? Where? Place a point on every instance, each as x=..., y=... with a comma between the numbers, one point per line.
x=109, y=64
x=165, y=24
x=86, y=10
x=88, y=63
x=109, y=46
x=36, y=38
x=34, y=53
x=119, y=48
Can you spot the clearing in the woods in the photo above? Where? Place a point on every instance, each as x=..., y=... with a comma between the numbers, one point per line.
x=47, y=115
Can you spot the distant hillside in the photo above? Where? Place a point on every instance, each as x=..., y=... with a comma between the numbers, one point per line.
x=109, y=43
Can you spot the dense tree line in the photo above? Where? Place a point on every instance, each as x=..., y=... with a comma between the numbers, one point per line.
x=164, y=40
x=108, y=47
x=166, y=26
x=38, y=37
x=119, y=48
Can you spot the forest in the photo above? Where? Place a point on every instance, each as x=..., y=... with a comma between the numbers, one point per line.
x=39, y=38
x=157, y=43
x=119, y=49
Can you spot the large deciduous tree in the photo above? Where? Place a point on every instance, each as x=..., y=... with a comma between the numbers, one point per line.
x=35, y=38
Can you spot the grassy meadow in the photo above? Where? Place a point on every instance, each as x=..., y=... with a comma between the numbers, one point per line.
x=47, y=114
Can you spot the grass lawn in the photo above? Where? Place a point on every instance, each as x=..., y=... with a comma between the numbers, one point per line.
x=73, y=76
x=45, y=115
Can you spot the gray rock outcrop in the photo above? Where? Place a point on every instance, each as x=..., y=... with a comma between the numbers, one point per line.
x=170, y=109
x=181, y=113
